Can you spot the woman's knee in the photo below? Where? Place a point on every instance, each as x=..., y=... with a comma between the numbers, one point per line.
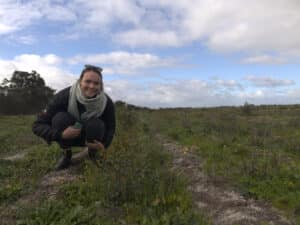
x=62, y=120
x=95, y=130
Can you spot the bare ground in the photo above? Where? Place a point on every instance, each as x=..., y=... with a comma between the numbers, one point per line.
x=15, y=157
x=223, y=205
x=48, y=187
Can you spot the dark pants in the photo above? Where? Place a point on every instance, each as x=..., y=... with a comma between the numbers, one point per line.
x=91, y=130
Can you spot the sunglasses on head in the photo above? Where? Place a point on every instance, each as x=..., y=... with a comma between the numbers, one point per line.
x=97, y=68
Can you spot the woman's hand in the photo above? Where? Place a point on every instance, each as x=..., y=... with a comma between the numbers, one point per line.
x=97, y=145
x=70, y=133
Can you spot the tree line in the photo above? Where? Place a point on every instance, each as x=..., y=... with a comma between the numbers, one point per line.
x=24, y=93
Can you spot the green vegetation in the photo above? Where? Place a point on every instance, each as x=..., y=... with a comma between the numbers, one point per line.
x=256, y=149
x=24, y=93
x=20, y=177
x=133, y=185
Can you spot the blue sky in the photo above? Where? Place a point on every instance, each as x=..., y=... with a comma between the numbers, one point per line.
x=160, y=53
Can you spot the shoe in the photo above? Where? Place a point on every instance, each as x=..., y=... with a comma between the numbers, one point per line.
x=92, y=154
x=65, y=161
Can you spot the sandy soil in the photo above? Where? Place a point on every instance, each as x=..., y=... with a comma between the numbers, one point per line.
x=222, y=205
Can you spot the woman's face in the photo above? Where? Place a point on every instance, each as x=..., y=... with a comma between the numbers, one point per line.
x=90, y=84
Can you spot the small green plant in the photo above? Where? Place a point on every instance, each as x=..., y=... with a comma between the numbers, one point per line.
x=132, y=186
x=247, y=108
x=254, y=147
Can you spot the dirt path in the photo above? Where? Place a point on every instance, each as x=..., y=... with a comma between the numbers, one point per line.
x=223, y=206
x=48, y=187
x=15, y=157
x=49, y=184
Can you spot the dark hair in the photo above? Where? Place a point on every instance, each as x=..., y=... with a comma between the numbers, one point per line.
x=95, y=69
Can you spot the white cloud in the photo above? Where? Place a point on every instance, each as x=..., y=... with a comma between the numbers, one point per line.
x=121, y=62
x=52, y=59
x=229, y=84
x=26, y=39
x=19, y=15
x=142, y=37
x=57, y=12
x=270, y=96
x=174, y=94
x=265, y=59
x=54, y=69
x=100, y=16
x=47, y=66
x=268, y=81
x=20, y=39
x=6, y=28
x=294, y=94
x=255, y=27
x=161, y=94
x=204, y=94
x=158, y=93
x=259, y=96
x=15, y=15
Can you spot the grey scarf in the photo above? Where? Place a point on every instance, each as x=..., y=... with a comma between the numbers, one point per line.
x=94, y=106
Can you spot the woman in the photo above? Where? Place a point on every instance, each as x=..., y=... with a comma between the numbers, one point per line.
x=80, y=115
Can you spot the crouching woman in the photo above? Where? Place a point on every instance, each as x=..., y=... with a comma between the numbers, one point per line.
x=79, y=115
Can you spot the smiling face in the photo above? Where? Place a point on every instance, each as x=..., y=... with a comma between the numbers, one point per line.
x=90, y=84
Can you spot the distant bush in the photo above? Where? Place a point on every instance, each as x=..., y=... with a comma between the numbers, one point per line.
x=24, y=93
x=247, y=108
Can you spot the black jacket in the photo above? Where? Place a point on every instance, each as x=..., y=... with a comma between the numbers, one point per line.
x=42, y=126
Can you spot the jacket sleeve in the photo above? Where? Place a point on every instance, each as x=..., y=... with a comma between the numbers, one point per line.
x=110, y=123
x=42, y=125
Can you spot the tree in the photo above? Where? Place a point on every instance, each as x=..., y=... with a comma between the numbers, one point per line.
x=247, y=108
x=24, y=93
